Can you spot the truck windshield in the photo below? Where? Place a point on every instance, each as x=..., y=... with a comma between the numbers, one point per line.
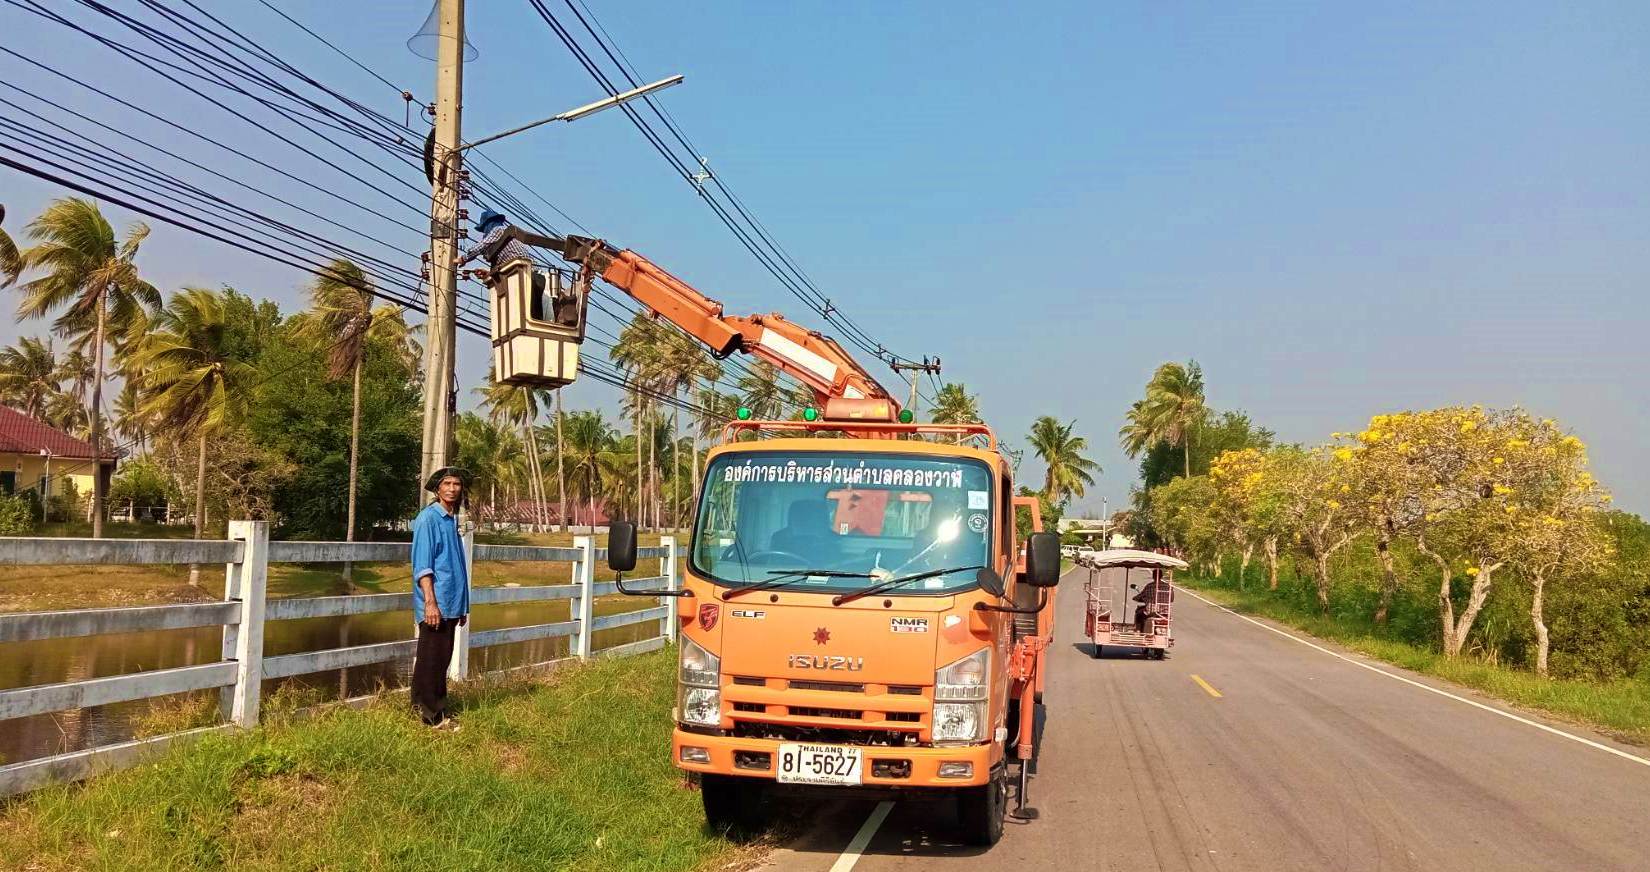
x=846, y=516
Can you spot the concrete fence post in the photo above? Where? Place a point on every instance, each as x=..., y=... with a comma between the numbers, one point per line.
x=584, y=604
x=231, y=632
x=252, y=585
x=668, y=623
x=458, y=668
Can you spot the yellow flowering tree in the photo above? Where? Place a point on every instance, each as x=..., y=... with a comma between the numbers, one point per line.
x=1388, y=482
x=1553, y=505
x=1309, y=504
x=1247, y=507
x=1181, y=512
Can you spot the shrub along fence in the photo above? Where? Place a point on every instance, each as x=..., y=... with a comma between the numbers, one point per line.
x=246, y=555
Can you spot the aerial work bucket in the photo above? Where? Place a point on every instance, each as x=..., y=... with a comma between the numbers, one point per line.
x=537, y=326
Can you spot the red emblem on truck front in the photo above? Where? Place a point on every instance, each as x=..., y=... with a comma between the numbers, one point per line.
x=707, y=616
x=822, y=635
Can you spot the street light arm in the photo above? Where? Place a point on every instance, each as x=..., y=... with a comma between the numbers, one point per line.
x=583, y=111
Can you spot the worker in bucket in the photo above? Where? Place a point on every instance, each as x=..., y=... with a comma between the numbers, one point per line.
x=504, y=252
x=498, y=248
x=440, y=594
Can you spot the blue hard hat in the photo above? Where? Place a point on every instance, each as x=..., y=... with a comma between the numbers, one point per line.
x=488, y=219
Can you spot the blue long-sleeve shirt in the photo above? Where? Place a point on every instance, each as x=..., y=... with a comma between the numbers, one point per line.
x=438, y=550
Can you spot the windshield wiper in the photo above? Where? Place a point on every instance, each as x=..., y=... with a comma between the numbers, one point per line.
x=782, y=577
x=892, y=583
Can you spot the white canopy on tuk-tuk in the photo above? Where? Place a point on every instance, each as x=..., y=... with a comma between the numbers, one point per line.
x=1132, y=559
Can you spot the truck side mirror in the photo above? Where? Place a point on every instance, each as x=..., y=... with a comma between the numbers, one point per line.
x=990, y=582
x=621, y=546
x=1043, y=559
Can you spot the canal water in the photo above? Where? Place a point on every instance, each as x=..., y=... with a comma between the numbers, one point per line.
x=24, y=664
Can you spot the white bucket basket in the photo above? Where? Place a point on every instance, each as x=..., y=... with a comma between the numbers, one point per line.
x=537, y=345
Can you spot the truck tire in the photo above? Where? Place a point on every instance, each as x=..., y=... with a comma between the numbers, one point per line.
x=980, y=811
x=733, y=805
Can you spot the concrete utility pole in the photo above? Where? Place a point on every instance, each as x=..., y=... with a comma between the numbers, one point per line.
x=925, y=366
x=438, y=356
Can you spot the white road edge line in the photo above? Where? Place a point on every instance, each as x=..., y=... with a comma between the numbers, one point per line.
x=1430, y=689
x=850, y=854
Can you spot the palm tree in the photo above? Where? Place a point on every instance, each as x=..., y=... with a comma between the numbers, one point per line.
x=588, y=438
x=561, y=469
x=342, y=317
x=955, y=405
x=761, y=392
x=68, y=414
x=685, y=363
x=28, y=375
x=1068, y=471
x=76, y=371
x=192, y=382
x=129, y=420
x=487, y=450
x=1137, y=434
x=640, y=351
x=1173, y=408
x=10, y=263
x=90, y=274
x=715, y=410
x=519, y=405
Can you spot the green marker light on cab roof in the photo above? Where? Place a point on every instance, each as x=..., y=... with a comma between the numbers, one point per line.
x=906, y=416
x=810, y=414
x=744, y=413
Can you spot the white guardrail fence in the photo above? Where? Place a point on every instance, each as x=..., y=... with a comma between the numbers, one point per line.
x=246, y=555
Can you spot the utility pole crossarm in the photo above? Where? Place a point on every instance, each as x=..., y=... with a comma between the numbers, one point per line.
x=931, y=367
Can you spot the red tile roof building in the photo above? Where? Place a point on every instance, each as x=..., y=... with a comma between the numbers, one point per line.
x=21, y=434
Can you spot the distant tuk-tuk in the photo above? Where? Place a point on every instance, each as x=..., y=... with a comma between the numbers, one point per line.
x=1151, y=626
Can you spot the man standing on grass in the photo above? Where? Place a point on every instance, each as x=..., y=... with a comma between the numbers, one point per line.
x=441, y=592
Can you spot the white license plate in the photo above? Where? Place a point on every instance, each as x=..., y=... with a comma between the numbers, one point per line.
x=819, y=764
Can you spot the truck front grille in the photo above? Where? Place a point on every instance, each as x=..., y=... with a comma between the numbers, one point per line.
x=835, y=686
x=823, y=735
x=802, y=711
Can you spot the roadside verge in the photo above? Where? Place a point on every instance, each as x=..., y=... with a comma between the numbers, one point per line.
x=567, y=772
x=1620, y=709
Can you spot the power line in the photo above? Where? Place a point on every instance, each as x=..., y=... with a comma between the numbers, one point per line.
x=821, y=303
x=149, y=62
x=480, y=179
x=166, y=188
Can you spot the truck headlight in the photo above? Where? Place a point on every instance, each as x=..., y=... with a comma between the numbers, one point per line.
x=964, y=679
x=959, y=721
x=960, y=692
x=701, y=706
x=699, y=695
x=699, y=668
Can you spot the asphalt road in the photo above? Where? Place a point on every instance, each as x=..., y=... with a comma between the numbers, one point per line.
x=1304, y=762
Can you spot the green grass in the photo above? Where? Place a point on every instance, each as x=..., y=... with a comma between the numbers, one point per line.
x=1620, y=708
x=570, y=772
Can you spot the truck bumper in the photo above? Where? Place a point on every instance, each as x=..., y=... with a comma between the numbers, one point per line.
x=882, y=766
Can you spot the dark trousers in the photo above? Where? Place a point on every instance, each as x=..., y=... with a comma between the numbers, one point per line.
x=429, y=678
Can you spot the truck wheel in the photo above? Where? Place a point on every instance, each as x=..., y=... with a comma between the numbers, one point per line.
x=980, y=811
x=733, y=805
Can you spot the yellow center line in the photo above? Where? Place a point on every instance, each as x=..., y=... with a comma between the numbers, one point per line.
x=1205, y=685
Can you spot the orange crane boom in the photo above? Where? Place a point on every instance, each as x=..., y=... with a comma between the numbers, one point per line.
x=806, y=355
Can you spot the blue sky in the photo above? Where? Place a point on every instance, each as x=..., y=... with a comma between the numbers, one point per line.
x=1338, y=209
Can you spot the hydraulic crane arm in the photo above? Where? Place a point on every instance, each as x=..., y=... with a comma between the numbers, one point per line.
x=811, y=358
